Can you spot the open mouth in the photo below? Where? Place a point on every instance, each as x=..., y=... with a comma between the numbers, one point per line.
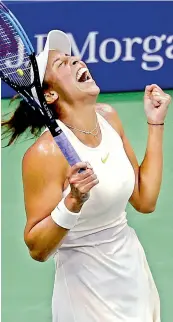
x=83, y=75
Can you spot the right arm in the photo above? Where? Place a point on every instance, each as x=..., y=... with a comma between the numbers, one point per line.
x=44, y=175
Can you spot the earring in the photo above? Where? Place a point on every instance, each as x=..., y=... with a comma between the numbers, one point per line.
x=54, y=95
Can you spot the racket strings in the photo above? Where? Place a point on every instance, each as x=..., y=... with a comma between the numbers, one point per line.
x=14, y=60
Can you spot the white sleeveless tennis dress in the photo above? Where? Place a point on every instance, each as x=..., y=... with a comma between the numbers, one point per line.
x=101, y=270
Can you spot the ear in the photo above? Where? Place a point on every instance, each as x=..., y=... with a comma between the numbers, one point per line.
x=50, y=96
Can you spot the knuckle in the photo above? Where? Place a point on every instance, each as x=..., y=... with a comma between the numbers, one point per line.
x=87, y=174
x=74, y=167
x=83, y=174
x=73, y=176
x=79, y=165
x=95, y=182
x=82, y=189
x=77, y=186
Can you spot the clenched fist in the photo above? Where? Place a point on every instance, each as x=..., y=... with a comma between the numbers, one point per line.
x=156, y=104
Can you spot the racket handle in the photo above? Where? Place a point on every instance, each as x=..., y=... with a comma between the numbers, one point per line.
x=67, y=149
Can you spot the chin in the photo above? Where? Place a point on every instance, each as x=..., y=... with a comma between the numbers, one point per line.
x=95, y=90
x=88, y=88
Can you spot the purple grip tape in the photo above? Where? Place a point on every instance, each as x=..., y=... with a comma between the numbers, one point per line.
x=67, y=149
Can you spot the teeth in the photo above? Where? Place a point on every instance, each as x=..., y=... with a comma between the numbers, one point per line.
x=80, y=72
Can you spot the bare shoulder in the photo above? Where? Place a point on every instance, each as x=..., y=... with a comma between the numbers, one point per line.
x=44, y=155
x=111, y=116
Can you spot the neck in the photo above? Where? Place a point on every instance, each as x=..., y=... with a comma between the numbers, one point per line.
x=81, y=116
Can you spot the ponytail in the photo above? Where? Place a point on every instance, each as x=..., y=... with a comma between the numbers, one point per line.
x=25, y=118
x=22, y=119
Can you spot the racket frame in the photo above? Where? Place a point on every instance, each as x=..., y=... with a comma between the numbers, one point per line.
x=49, y=120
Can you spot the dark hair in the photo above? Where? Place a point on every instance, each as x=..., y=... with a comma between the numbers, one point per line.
x=23, y=118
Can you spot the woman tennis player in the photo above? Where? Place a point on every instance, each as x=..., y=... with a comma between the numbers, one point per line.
x=102, y=273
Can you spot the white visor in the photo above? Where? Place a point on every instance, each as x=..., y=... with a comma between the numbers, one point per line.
x=56, y=40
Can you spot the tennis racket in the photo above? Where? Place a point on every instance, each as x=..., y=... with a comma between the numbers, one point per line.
x=17, y=58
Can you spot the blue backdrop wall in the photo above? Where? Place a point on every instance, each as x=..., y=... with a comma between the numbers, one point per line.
x=126, y=45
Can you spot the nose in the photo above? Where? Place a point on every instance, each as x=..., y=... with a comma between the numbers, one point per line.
x=65, y=59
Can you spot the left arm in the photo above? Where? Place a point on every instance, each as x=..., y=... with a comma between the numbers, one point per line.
x=148, y=175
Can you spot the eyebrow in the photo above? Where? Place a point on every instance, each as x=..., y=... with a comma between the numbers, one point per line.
x=58, y=59
x=55, y=61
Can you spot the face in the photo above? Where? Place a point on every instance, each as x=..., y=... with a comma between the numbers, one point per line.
x=70, y=78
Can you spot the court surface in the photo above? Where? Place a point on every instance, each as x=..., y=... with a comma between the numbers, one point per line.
x=26, y=284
